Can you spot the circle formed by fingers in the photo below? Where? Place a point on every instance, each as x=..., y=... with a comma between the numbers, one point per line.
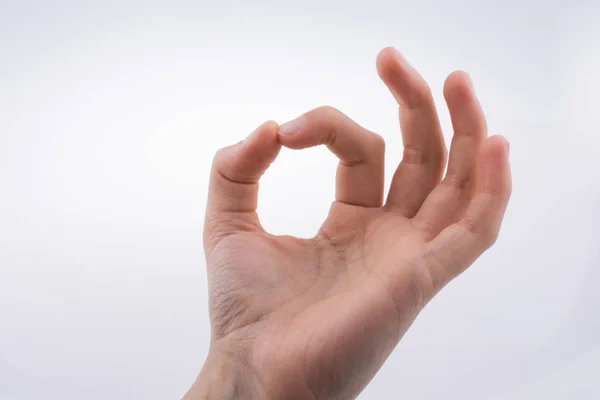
x=360, y=173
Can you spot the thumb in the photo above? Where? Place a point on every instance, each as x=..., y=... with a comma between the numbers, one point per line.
x=236, y=170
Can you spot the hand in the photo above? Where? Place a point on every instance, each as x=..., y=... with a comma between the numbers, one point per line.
x=316, y=318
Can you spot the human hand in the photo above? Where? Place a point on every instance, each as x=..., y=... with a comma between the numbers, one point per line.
x=316, y=318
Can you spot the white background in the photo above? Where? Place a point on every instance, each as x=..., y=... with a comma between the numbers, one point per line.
x=110, y=113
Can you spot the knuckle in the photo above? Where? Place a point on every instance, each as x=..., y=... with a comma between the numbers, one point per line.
x=425, y=227
x=228, y=165
x=484, y=232
x=414, y=156
x=324, y=116
x=488, y=239
x=494, y=190
x=221, y=159
x=377, y=142
x=324, y=119
x=326, y=111
x=328, y=120
x=459, y=181
x=219, y=156
x=491, y=235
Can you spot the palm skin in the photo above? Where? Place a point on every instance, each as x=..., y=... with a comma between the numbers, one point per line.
x=316, y=318
x=317, y=308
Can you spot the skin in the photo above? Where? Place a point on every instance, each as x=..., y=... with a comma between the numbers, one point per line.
x=316, y=318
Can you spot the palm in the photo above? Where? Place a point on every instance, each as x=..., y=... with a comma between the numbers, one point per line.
x=318, y=317
x=307, y=304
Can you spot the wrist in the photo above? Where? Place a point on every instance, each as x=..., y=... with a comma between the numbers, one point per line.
x=224, y=379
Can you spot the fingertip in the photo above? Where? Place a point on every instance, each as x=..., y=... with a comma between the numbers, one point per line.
x=270, y=125
x=500, y=140
x=290, y=134
x=496, y=146
x=248, y=160
x=267, y=131
x=263, y=139
x=406, y=85
x=458, y=85
x=386, y=61
x=312, y=128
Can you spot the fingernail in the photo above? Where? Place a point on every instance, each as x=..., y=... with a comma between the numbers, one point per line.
x=291, y=127
x=508, y=147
